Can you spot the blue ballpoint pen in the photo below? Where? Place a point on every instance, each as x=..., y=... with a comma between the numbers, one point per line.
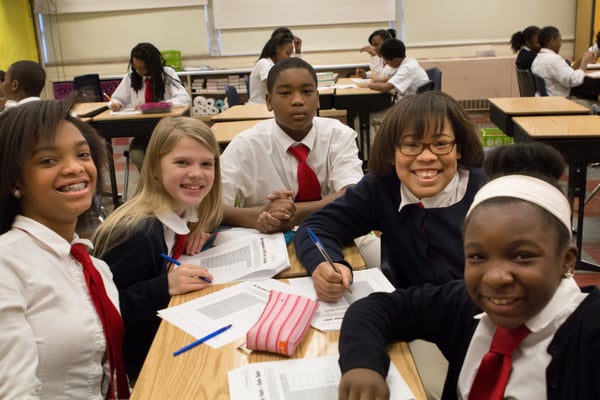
x=319, y=245
x=202, y=340
x=174, y=261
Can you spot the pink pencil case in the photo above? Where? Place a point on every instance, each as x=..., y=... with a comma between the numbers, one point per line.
x=282, y=324
x=156, y=107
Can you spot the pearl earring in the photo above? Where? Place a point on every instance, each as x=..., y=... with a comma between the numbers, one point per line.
x=569, y=274
x=16, y=193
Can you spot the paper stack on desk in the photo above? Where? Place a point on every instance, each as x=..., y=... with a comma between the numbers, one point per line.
x=243, y=254
x=306, y=378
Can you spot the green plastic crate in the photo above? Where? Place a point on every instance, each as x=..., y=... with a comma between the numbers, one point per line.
x=492, y=137
x=173, y=59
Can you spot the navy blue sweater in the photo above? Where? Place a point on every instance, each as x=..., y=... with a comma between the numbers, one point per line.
x=444, y=315
x=418, y=245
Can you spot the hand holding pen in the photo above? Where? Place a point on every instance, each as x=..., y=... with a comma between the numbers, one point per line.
x=186, y=277
x=326, y=278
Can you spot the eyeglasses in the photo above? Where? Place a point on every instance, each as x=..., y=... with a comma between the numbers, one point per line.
x=439, y=147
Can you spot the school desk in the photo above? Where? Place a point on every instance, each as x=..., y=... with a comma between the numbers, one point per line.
x=351, y=255
x=361, y=102
x=201, y=373
x=88, y=110
x=243, y=112
x=503, y=109
x=111, y=125
x=577, y=138
x=226, y=131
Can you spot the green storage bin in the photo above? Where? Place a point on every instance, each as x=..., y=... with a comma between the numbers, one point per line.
x=492, y=137
x=173, y=59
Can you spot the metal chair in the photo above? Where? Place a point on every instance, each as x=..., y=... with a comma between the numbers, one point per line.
x=247, y=83
x=526, y=83
x=425, y=87
x=435, y=74
x=540, y=85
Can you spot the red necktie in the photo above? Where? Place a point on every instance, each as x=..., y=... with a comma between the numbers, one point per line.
x=309, y=188
x=148, y=92
x=111, y=323
x=179, y=246
x=495, y=367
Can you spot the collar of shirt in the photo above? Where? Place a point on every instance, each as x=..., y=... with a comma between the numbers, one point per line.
x=284, y=141
x=531, y=358
x=47, y=237
x=545, y=50
x=177, y=224
x=450, y=195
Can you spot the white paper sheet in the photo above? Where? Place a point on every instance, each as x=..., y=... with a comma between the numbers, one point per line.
x=329, y=315
x=243, y=255
x=299, y=379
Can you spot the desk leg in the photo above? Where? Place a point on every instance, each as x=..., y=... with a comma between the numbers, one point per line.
x=113, y=176
x=577, y=183
x=365, y=133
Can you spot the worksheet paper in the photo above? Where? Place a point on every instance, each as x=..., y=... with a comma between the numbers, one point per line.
x=329, y=315
x=300, y=379
x=243, y=255
x=239, y=305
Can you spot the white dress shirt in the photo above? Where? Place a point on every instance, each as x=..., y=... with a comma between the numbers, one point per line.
x=174, y=224
x=51, y=338
x=175, y=92
x=558, y=75
x=258, y=81
x=256, y=162
x=408, y=77
x=530, y=360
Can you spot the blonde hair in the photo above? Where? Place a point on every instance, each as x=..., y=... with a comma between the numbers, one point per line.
x=150, y=197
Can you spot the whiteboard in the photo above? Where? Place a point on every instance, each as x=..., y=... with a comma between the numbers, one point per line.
x=84, y=6
x=443, y=22
x=260, y=13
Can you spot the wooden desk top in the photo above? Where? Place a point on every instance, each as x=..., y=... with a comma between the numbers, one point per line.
x=538, y=105
x=561, y=126
x=352, y=91
x=244, y=112
x=201, y=373
x=84, y=110
x=296, y=269
x=226, y=131
x=106, y=116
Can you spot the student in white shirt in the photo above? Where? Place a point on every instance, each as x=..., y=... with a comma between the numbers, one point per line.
x=54, y=343
x=23, y=82
x=260, y=174
x=379, y=70
x=557, y=73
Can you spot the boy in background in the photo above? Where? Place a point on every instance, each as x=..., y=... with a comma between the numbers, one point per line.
x=23, y=83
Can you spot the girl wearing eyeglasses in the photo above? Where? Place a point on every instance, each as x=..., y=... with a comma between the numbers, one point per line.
x=424, y=169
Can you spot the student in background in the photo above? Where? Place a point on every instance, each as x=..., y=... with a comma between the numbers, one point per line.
x=380, y=71
x=23, y=82
x=558, y=75
x=149, y=80
x=526, y=44
x=260, y=173
x=179, y=190
x=61, y=331
x=423, y=174
x=279, y=47
x=297, y=40
x=518, y=279
x=409, y=74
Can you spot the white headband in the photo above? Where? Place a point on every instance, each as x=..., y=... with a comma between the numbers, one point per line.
x=530, y=189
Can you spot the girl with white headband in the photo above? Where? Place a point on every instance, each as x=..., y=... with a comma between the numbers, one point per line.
x=518, y=278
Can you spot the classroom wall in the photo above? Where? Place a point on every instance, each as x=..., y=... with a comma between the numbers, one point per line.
x=17, y=33
x=457, y=31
